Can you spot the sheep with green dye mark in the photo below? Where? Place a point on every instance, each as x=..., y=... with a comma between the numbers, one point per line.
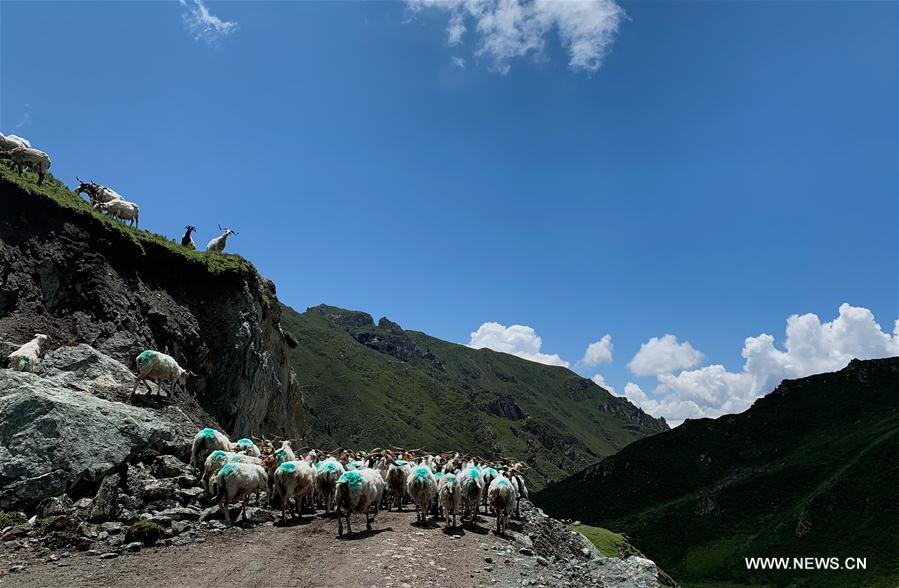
x=157, y=366
x=326, y=475
x=449, y=497
x=397, y=475
x=235, y=482
x=421, y=486
x=472, y=485
x=488, y=473
x=502, y=497
x=247, y=447
x=296, y=480
x=358, y=491
x=516, y=476
x=25, y=358
x=216, y=460
x=205, y=442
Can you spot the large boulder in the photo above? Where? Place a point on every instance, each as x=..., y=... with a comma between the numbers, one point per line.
x=56, y=438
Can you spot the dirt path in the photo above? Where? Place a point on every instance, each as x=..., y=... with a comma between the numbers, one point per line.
x=397, y=553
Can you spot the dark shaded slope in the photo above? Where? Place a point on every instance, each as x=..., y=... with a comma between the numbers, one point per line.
x=368, y=384
x=812, y=469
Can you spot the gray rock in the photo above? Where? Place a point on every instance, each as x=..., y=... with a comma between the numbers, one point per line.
x=213, y=512
x=179, y=527
x=169, y=466
x=112, y=527
x=181, y=513
x=105, y=506
x=82, y=503
x=54, y=437
x=133, y=546
x=108, y=555
x=56, y=505
x=258, y=515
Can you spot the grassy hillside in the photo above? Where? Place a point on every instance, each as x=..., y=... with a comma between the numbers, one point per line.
x=811, y=470
x=366, y=385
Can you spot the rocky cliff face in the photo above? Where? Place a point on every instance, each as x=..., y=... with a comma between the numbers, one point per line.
x=81, y=279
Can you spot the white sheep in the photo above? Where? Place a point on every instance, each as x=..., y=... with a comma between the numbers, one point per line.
x=121, y=210
x=25, y=358
x=205, y=442
x=358, y=491
x=397, y=474
x=521, y=490
x=237, y=481
x=246, y=446
x=472, y=485
x=217, y=245
x=502, y=497
x=293, y=479
x=153, y=365
x=26, y=157
x=10, y=142
x=449, y=496
x=326, y=476
x=421, y=485
x=217, y=459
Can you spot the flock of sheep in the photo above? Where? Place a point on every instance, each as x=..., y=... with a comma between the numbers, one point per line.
x=102, y=198
x=447, y=486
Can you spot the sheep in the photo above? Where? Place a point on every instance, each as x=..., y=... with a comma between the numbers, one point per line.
x=326, y=476
x=488, y=473
x=421, y=485
x=121, y=210
x=10, y=142
x=186, y=240
x=217, y=459
x=26, y=157
x=97, y=193
x=293, y=479
x=502, y=497
x=472, y=486
x=205, y=442
x=449, y=496
x=160, y=367
x=217, y=245
x=235, y=482
x=246, y=446
x=358, y=491
x=25, y=358
x=521, y=490
x=397, y=474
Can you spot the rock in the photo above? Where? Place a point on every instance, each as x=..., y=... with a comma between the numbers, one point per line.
x=179, y=527
x=181, y=513
x=164, y=504
x=82, y=503
x=54, y=437
x=189, y=482
x=488, y=559
x=145, y=531
x=259, y=515
x=542, y=560
x=134, y=546
x=105, y=505
x=157, y=490
x=113, y=528
x=189, y=495
x=526, y=551
x=109, y=555
x=56, y=505
x=213, y=512
x=169, y=466
x=16, y=569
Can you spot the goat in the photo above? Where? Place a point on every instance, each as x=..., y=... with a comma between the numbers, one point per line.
x=26, y=157
x=160, y=367
x=205, y=442
x=293, y=479
x=502, y=497
x=25, y=358
x=217, y=245
x=235, y=482
x=449, y=496
x=121, y=210
x=97, y=193
x=421, y=486
x=186, y=240
x=358, y=491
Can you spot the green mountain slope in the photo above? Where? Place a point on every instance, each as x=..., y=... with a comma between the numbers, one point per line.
x=811, y=470
x=367, y=384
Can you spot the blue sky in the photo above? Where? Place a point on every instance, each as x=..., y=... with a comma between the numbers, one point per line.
x=728, y=165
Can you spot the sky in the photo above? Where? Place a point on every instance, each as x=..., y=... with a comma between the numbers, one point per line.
x=686, y=201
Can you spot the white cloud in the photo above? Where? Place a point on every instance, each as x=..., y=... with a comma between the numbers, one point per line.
x=458, y=62
x=664, y=356
x=517, y=340
x=26, y=117
x=509, y=29
x=598, y=352
x=810, y=347
x=203, y=25
x=600, y=381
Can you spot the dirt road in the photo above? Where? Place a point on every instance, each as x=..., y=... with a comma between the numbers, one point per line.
x=397, y=553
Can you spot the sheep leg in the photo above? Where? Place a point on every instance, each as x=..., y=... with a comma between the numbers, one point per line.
x=223, y=505
x=243, y=511
x=349, y=529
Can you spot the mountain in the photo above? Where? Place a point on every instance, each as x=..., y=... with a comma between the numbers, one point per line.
x=82, y=278
x=367, y=385
x=810, y=470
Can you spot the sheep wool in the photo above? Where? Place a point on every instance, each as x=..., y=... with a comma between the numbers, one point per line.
x=353, y=480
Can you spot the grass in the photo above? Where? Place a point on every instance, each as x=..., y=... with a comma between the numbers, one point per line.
x=822, y=450
x=8, y=519
x=55, y=191
x=608, y=543
x=146, y=531
x=444, y=396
